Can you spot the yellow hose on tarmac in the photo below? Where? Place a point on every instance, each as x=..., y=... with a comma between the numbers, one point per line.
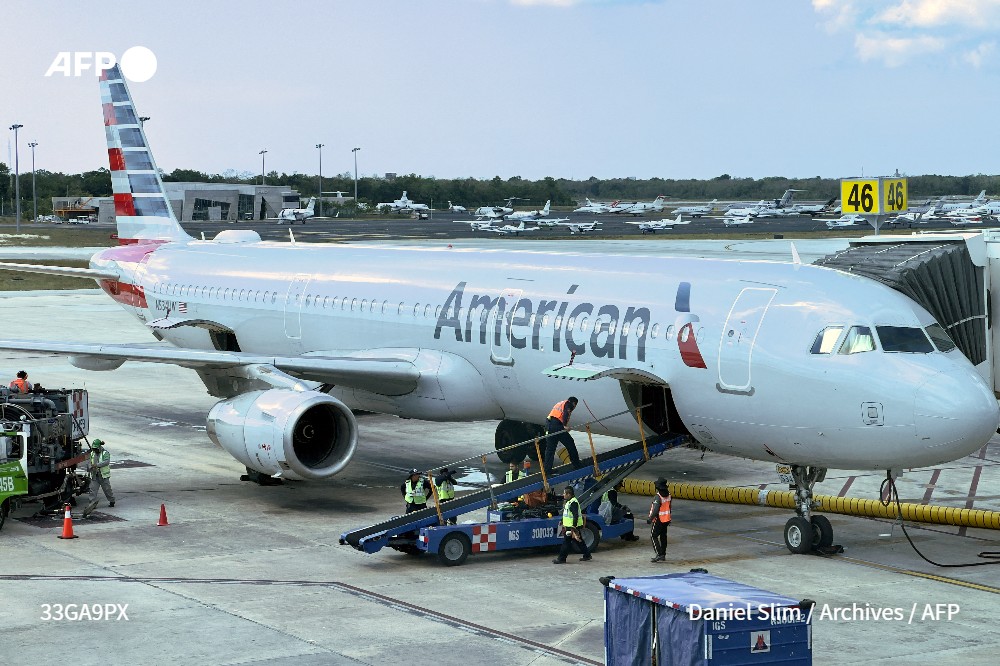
x=849, y=506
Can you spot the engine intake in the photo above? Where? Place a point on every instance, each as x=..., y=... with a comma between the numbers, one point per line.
x=292, y=434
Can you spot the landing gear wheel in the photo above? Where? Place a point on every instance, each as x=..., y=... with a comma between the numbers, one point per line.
x=509, y=433
x=531, y=431
x=822, y=532
x=454, y=549
x=798, y=535
x=591, y=535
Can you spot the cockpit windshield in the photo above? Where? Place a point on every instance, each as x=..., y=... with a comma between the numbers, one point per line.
x=826, y=339
x=904, y=339
x=940, y=338
x=858, y=339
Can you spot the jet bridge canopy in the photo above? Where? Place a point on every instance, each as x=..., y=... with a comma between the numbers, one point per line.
x=937, y=273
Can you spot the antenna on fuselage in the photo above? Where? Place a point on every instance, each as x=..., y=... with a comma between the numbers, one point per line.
x=795, y=255
x=291, y=236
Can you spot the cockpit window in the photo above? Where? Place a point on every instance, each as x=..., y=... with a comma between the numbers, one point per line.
x=940, y=338
x=826, y=339
x=904, y=339
x=859, y=339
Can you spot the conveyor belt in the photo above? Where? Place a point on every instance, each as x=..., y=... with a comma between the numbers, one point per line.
x=374, y=537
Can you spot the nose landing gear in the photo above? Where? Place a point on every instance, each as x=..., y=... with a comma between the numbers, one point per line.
x=806, y=532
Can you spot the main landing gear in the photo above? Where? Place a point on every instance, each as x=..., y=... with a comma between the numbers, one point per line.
x=806, y=532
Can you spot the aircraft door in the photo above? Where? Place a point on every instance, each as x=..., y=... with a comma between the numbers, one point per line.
x=499, y=328
x=738, y=337
x=293, y=307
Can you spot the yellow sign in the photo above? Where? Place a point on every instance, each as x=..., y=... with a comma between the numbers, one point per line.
x=873, y=196
x=893, y=195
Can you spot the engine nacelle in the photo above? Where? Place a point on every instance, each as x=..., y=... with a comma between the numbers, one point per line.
x=95, y=363
x=293, y=434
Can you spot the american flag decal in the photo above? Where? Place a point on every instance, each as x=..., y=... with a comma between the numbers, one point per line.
x=182, y=307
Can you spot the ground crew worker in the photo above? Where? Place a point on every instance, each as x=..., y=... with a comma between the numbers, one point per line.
x=21, y=384
x=614, y=512
x=415, y=491
x=445, y=483
x=514, y=473
x=572, y=521
x=557, y=422
x=100, y=476
x=659, y=516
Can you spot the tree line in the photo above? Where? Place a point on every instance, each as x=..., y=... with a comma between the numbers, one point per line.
x=472, y=192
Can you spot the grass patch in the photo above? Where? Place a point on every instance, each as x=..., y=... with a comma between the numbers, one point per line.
x=18, y=281
x=55, y=235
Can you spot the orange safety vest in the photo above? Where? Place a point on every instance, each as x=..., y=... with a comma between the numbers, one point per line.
x=664, y=516
x=20, y=385
x=559, y=412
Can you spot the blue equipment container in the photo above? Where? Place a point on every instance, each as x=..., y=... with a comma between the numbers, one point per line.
x=698, y=619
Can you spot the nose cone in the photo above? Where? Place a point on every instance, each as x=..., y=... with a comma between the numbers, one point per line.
x=955, y=414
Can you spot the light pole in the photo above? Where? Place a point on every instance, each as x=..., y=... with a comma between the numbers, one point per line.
x=142, y=121
x=319, y=146
x=261, y=153
x=34, y=196
x=17, y=181
x=355, y=151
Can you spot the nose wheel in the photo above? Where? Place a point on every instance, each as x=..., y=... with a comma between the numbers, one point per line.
x=806, y=532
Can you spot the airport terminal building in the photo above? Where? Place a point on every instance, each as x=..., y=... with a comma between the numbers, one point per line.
x=193, y=201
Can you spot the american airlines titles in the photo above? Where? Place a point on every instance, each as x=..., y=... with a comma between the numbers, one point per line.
x=513, y=321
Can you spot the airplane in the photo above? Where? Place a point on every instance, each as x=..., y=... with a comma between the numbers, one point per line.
x=734, y=220
x=291, y=337
x=552, y=222
x=640, y=208
x=477, y=225
x=402, y=204
x=697, y=211
x=813, y=210
x=913, y=217
x=455, y=208
x=496, y=212
x=292, y=215
x=957, y=205
x=590, y=207
x=510, y=229
x=742, y=210
x=846, y=221
x=650, y=227
x=530, y=215
x=581, y=227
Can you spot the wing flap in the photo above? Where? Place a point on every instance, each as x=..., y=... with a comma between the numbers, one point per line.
x=65, y=271
x=386, y=375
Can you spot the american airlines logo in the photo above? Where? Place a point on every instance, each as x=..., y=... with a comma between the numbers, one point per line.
x=600, y=330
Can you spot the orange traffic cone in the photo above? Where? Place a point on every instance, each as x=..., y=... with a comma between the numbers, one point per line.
x=67, y=525
x=163, y=516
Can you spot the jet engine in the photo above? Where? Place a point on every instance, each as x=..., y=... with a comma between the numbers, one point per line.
x=290, y=434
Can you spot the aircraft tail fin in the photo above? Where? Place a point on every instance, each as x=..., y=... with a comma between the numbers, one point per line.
x=545, y=211
x=981, y=198
x=311, y=206
x=142, y=211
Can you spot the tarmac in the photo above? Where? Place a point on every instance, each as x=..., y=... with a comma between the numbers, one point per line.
x=245, y=574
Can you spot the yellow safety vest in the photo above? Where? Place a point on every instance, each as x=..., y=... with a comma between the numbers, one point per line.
x=567, y=517
x=96, y=461
x=510, y=475
x=415, y=493
x=446, y=490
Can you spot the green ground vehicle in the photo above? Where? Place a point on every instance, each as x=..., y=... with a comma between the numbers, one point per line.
x=42, y=440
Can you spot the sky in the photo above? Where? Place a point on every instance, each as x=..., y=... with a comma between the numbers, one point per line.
x=529, y=88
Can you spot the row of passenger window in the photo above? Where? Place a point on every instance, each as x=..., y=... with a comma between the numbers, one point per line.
x=348, y=304
x=859, y=339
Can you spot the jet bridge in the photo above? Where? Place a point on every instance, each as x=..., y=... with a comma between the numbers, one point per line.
x=950, y=275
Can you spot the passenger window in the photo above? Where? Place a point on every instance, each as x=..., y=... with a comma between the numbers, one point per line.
x=583, y=325
x=274, y=297
x=427, y=310
x=669, y=333
x=364, y=304
x=654, y=331
x=354, y=304
x=400, y=310
x=625, y=329
x=858, y=339
x=437, y=311
x=940, y=338
x=570, y=323
x=640, y=328
x=308, y=299
x=826, y=339
x=558, y=323
x=416, y=309
x=904, y=339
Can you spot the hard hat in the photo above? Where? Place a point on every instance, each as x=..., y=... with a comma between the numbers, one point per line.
x=96, y=443
x=414, y=471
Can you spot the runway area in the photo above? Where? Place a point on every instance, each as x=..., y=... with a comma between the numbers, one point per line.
x=248, y=574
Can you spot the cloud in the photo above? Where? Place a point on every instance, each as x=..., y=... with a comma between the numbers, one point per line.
x=908, y=30
x=895, y=51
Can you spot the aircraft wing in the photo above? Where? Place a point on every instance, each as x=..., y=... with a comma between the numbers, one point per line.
x=391, y=374
x=60, y=270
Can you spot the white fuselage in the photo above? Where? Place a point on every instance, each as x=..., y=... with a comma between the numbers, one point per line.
x=482, y=327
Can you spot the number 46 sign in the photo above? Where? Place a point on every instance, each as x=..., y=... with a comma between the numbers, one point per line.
x=873, y=196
